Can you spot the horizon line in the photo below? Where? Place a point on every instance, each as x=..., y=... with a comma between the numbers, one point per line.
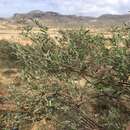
x=65, y=14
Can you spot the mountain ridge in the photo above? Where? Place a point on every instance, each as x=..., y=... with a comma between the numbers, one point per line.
x=54, y=18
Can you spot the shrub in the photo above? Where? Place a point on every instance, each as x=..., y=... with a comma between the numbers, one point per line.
x=51, y=74
x=6, y=54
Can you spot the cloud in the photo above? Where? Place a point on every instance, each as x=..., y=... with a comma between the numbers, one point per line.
x=92, y=7
x=78, y=7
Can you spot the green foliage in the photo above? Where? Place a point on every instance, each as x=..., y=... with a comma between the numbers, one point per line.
x=6, y=50
x=52, y=68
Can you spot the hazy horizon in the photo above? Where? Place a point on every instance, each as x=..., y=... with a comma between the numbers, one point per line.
x=67, y=7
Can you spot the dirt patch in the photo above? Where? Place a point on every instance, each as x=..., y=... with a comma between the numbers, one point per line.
x=44, y=125
x=6, y=78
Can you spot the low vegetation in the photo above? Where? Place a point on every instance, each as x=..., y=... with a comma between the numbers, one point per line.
x=79, y=81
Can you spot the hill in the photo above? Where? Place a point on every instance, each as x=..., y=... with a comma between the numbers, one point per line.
x=55, y=19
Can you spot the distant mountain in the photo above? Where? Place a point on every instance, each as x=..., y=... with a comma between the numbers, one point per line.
x=35, y=14
x=52, y=18
x=55, y=19
x=114, y=19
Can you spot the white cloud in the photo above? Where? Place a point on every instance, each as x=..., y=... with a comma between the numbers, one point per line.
x=78, y=7
x=92, y=7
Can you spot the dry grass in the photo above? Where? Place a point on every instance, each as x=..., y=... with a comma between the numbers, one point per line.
x=12, y=32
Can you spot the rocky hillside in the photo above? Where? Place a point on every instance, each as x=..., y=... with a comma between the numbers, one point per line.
x=56, y=19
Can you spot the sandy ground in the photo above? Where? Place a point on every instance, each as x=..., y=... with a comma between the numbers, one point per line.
x=12, y=32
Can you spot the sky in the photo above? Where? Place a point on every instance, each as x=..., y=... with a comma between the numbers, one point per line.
x=76, y=7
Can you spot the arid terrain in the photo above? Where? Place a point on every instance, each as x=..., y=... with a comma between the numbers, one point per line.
x=11, y=29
